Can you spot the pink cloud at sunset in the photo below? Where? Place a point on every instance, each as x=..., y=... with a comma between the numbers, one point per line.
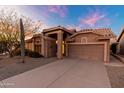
x=93, y=19
x=59, y=10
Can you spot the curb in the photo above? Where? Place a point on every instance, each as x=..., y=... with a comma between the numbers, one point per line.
x=121, y=59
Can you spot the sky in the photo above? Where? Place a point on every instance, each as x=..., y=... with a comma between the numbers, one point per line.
x=76, y=16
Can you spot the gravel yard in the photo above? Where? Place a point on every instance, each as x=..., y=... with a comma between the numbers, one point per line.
x=115, y=71
x=13, y=66
x=116, y=76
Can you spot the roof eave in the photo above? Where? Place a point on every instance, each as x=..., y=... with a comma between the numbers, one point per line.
x=57, y=28
x=120, y=35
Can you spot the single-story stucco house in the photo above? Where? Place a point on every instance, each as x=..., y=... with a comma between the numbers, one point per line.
x=58, y=41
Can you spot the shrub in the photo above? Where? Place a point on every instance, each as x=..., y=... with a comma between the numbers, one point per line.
x=28, y=52
x=114, y=48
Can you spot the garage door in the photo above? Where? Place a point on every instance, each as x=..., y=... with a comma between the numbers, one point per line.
x=86, y=51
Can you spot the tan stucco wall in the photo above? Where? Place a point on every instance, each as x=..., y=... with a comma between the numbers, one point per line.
x=90, y=37
x=108, y=49
x=86, y=51
x=122, y=44
x=28, y=46
x=35, y=45
x=37, y=40
x=38, y=44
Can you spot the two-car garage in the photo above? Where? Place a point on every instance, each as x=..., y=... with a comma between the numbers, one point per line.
x=93, y=51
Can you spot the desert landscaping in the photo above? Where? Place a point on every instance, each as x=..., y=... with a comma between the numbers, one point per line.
x=115, y=72
x=14, y=66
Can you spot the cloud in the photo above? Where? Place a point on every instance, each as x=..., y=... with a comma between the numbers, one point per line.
x=57, y=9
x=95, y=18
x=71, y=26
x=92, y=19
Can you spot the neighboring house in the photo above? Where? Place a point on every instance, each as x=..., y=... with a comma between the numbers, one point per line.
x=121, y=43
x=58, y=41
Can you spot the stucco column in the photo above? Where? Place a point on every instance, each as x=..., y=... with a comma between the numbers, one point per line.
x=59, y=44
x=33, y=44
x=108, y=51
x=66, y=49
x=43, y=45
x=46, y=48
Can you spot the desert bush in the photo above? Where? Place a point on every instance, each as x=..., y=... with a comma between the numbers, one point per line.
x=28, y=52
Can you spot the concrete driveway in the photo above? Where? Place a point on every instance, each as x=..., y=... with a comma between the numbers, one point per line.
x=65, y=73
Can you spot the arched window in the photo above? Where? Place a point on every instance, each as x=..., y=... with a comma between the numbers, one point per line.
x=83, y=39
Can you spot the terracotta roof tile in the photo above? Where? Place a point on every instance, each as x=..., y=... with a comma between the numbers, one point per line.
x=56, y=28
x=106, y=32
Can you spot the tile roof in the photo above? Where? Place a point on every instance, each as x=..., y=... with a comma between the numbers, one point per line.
x=56, y=28
x=106, y=32
x=122, y=32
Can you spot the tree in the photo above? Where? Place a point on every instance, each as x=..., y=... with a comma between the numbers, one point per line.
x=10, y=31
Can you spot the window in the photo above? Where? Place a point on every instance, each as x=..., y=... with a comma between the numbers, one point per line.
x=37, y=41
x=84, y=40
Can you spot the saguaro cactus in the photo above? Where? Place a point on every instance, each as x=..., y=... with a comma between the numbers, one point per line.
x=22, y=39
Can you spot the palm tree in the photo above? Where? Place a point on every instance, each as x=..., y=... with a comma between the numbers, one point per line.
x=22, y=39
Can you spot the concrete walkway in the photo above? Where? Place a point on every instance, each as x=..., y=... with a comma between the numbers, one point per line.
x=64, y=73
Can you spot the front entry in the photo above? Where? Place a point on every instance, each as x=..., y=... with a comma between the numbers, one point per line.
x=59, y=34
x=58, y=47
